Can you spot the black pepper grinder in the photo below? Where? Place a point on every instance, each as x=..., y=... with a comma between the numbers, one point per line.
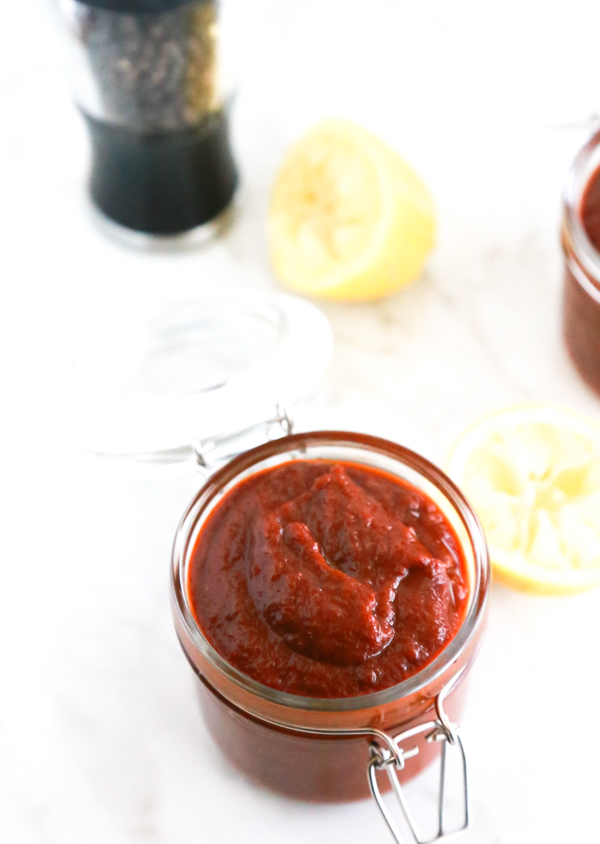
x=147, y=82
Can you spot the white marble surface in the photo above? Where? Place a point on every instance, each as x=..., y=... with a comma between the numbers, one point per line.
x=100, y=739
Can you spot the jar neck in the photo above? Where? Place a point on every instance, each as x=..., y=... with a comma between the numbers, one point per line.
x=583, y=259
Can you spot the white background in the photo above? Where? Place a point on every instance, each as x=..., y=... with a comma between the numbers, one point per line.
x=100, y=739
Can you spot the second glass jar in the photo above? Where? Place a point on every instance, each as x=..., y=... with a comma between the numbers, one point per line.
x=581, y=293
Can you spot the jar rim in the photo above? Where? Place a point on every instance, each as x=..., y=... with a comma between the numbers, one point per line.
x=584, y=165
x=457, y=645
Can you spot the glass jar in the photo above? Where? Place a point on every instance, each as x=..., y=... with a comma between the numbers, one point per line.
x=321, y=749
x=581, y=294
x=146, y=76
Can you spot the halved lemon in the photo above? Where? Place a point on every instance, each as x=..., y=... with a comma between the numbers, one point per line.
x=532, y=473
x=349, y=219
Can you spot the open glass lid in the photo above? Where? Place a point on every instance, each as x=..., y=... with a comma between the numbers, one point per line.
x=192, y=373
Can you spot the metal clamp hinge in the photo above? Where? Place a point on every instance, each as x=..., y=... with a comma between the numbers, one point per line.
x=392, y=758
x=215, y=451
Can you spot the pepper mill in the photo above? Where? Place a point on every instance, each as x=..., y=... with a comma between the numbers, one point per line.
x=146, y=79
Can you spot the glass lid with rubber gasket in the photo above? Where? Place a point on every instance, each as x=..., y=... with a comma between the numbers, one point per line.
x=195, y=369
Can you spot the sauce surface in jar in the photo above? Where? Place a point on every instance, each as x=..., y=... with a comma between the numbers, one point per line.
x=327, y=579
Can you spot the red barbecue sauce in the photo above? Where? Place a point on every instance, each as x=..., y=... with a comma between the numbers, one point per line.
x=590, y=209
x=327, y=579
x=581, y=309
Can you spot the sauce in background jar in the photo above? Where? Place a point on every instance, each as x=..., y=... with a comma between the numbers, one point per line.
x=581, y=247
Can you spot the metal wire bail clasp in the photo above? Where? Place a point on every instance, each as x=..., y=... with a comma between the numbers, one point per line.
x=393, y=760
x=213, y=452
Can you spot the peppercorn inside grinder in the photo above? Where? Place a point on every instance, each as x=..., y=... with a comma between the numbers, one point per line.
x=147, y=80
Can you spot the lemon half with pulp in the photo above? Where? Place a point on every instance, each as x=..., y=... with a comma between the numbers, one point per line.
x=532, y=473
x=348, y=219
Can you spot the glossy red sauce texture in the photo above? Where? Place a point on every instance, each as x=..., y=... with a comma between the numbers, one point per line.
x=590, y=209
x=327, y=579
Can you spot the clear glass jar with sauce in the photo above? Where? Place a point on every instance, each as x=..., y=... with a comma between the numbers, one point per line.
x=581, y=248
x=204, y=383
x=322, y=749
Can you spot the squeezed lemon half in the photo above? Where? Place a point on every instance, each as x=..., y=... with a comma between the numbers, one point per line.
x=532, y=473
x=348, y=219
